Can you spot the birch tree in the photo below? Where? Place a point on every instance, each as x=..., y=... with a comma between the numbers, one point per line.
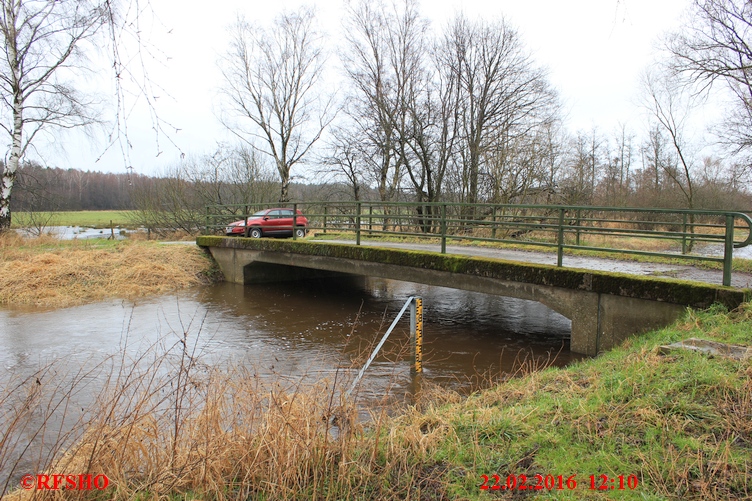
x=44, y=40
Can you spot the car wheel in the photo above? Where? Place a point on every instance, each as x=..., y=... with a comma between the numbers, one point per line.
x=300, y=232
x=255, y=233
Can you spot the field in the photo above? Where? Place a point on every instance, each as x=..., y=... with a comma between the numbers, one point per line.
x=88, y=218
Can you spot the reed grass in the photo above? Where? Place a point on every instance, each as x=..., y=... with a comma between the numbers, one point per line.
x=53, y=273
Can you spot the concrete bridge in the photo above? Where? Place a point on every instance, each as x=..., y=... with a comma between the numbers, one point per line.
x=604, y=307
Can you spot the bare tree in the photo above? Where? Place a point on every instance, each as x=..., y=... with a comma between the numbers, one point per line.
x=404, y=101
x=578, y=183
x=503, y=96
x=228, y=175
x=552, y=140
x=270, y=84
x=373, y=106
x=621, y=165
x=714, y=46
x=344, y=158
x=177, y=200
x=46, y=44
x=44, y=40
x=654, y=158
x=407, y=49
x=670, y=108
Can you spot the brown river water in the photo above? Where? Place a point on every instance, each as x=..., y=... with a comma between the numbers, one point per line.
x=303, y=330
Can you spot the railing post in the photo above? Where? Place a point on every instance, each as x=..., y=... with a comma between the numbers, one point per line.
x=294, y=221
x=684, y=233
x=443, y=228
x=493, y=222
x=326, y=210
x=370, y=220
x=245, y=221
x=357, y=225
x=579, y=222
x=560, y=248
x=206, y=229
x=416, y=334
x=728, y=251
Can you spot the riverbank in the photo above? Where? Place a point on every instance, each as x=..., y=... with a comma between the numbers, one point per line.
x=635, y=423
x=47, y=272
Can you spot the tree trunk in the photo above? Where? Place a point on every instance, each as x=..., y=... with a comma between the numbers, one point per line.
x=11, y=168
x=5, y=188
x=284, y=195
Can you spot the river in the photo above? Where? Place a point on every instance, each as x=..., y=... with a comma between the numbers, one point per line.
x=302, y=330
x=297, y=329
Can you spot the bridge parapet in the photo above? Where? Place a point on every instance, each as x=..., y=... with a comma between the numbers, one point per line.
x=667, y=233
x=604, y=307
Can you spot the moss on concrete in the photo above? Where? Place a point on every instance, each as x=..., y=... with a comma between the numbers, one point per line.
x=694, y=294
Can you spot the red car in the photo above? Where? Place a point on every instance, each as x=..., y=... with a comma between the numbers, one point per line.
x=271, y=222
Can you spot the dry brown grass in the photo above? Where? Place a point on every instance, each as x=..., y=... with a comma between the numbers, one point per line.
x=227, y=435
x=47, y=272
x=168, y=426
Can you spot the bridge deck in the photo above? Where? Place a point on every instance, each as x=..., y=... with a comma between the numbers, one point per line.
x=663, y=270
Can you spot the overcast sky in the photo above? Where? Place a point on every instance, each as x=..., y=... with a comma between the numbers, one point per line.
x=594, y=50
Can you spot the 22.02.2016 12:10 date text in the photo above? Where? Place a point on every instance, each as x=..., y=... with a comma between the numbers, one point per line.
x=557, y=482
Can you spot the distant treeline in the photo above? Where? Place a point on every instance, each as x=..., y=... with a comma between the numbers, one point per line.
x=39, y=188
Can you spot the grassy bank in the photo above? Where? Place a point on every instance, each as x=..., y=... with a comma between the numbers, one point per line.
x=680, y=424
x=54, y=273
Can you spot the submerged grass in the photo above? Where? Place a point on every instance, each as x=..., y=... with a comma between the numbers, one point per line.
x=53, y=273
x=680, y=423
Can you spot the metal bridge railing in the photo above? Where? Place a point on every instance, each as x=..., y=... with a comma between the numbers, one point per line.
x=634, y=231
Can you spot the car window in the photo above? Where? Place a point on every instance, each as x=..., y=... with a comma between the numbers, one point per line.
x=259, y=213
x=287, y=213
x=274, y=214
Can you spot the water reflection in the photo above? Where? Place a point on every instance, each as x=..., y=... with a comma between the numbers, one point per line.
x=299, y=328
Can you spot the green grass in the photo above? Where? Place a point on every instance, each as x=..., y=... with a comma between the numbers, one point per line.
x=51, y=244
x=679, y=422
x=87, y=218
